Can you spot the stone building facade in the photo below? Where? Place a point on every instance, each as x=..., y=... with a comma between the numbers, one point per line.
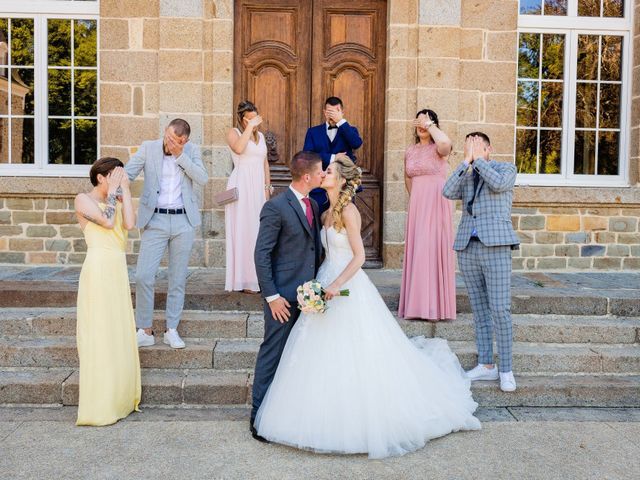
x=159, y=59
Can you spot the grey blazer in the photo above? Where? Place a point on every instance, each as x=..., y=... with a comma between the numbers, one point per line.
x=149, y=158
x=288, y=251
x=491, y=212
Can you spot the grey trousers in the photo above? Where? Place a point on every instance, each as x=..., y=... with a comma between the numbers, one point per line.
x=275, y=338
x=164, y=231
x=487, y=275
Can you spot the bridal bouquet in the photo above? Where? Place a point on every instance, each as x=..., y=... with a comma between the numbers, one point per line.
x=311, y=297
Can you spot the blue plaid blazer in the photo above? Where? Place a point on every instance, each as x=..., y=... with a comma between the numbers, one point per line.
x=491, y=209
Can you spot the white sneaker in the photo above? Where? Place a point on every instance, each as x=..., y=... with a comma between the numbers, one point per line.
x=172, y=338
x=144, y=340
x=507, y=382
x=480, y=372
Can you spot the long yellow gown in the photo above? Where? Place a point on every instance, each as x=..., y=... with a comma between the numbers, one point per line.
x=110, y=386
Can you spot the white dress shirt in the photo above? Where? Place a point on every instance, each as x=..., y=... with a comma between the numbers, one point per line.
x=332, y=134
x=299, y=196
x=170, y=184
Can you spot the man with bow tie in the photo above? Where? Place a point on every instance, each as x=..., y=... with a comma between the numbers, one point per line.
x=329, y=138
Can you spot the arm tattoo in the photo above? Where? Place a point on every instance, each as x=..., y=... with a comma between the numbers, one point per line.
x=110, y=209
x=119, y=192
x=90, y=218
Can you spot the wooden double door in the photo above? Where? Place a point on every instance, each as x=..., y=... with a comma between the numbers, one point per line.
x=290, y=55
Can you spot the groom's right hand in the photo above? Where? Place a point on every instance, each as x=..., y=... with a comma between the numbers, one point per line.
x=280, y=309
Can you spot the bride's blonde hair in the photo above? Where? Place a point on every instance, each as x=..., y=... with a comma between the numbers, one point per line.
x=345, y=168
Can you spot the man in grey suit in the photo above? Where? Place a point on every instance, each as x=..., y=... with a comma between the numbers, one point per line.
x=484, y=242
x=169, y=213
x=287, y=254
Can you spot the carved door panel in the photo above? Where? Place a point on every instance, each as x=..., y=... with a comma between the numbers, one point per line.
x=290, y=56
x=272, y=69
x=349, y=52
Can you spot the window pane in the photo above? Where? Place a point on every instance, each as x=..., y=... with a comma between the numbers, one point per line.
x=4, y=93
x=588, y=8
x=530, y=7
x=86, y=142
x=608, y=152
x=4, y=140
x=59, y=42
x=550, y=151
x=611, y=60
x=551, y=104
x=614, y=8
x=587, y=57
x=85, y=43
x=529, y=55
x=553, y=57
x=59, y=92
x=609, y=105
x=22, y=143
x=22, y=91
x=586, y=97
x=585, y=153
x=60, y=141
x=555, y=7
x=85, y=93
x=4, y=46
x=22, y=41
x=527, y=104
x=526, y=151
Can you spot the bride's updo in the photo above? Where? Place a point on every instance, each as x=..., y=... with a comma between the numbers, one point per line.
x=345, y=169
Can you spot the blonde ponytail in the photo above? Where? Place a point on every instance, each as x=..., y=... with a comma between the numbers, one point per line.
x=353, y=175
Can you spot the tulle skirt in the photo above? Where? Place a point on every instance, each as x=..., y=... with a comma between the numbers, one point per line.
x=350, y=381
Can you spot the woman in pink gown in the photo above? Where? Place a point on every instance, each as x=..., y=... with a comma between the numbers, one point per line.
x=250, y=176
x=428, y=288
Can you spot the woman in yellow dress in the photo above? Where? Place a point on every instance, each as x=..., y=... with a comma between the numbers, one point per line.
x=110, y=386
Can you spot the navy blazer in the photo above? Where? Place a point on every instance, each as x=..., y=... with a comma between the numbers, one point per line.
x=347, y=140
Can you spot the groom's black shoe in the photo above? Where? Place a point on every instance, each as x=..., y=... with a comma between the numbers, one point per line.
x=254, y=434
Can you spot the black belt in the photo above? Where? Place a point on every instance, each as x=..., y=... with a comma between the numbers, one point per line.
x=170, y=211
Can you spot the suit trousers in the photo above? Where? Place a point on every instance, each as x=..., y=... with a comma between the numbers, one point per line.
x=275, y=339
x=164, y=231
x=487, y=275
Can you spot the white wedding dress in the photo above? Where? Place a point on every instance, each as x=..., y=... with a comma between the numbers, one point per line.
x=350, y=381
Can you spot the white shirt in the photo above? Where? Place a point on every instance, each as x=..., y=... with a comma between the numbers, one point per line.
x=299, y=196
x=333, y=132
x=170, y=184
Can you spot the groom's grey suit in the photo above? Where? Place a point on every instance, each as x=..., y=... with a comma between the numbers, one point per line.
x=287, y=254
x=163, y=231
x=484, y=242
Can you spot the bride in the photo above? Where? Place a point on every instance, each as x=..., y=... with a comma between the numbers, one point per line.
x=349, y=380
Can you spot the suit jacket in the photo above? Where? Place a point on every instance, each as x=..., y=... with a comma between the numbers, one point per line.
x=288, y=251
x=149, y=158
x=347, y=140
x=491, y=211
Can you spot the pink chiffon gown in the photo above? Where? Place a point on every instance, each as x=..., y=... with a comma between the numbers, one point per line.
x=242, y=217
x=428, y=289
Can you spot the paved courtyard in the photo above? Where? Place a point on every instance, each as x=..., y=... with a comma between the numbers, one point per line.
x=516, y=443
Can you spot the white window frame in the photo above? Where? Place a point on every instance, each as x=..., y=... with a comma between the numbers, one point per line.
x=41, y=11
x=571, y=26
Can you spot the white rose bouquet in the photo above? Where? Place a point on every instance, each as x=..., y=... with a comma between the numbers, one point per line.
x=311, y=297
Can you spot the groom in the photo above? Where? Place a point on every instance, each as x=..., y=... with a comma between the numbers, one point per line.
x=288, y=253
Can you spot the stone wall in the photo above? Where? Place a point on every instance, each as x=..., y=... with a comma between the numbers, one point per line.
x=164, y=58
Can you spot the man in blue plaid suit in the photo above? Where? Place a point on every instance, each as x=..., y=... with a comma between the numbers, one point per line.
x=484, y=242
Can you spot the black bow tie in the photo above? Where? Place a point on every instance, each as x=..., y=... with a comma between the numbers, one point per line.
x=332, y=127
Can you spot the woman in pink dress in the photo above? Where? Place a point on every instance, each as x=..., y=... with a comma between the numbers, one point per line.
x=251, y=177
x=428, y=288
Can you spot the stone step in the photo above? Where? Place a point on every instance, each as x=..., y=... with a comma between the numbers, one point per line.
x=210, y=387
x=234, y=354
x=555, y=298
x=221, y=324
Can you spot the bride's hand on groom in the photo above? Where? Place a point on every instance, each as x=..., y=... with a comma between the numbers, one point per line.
x=280, y=309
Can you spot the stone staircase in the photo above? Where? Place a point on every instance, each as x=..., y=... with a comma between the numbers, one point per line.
x=586, y=353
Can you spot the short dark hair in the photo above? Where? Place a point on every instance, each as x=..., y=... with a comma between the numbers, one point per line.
x=483, y=136
x=334, y=101
x=302, y=163
x=103, y=166
x=180, y=127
